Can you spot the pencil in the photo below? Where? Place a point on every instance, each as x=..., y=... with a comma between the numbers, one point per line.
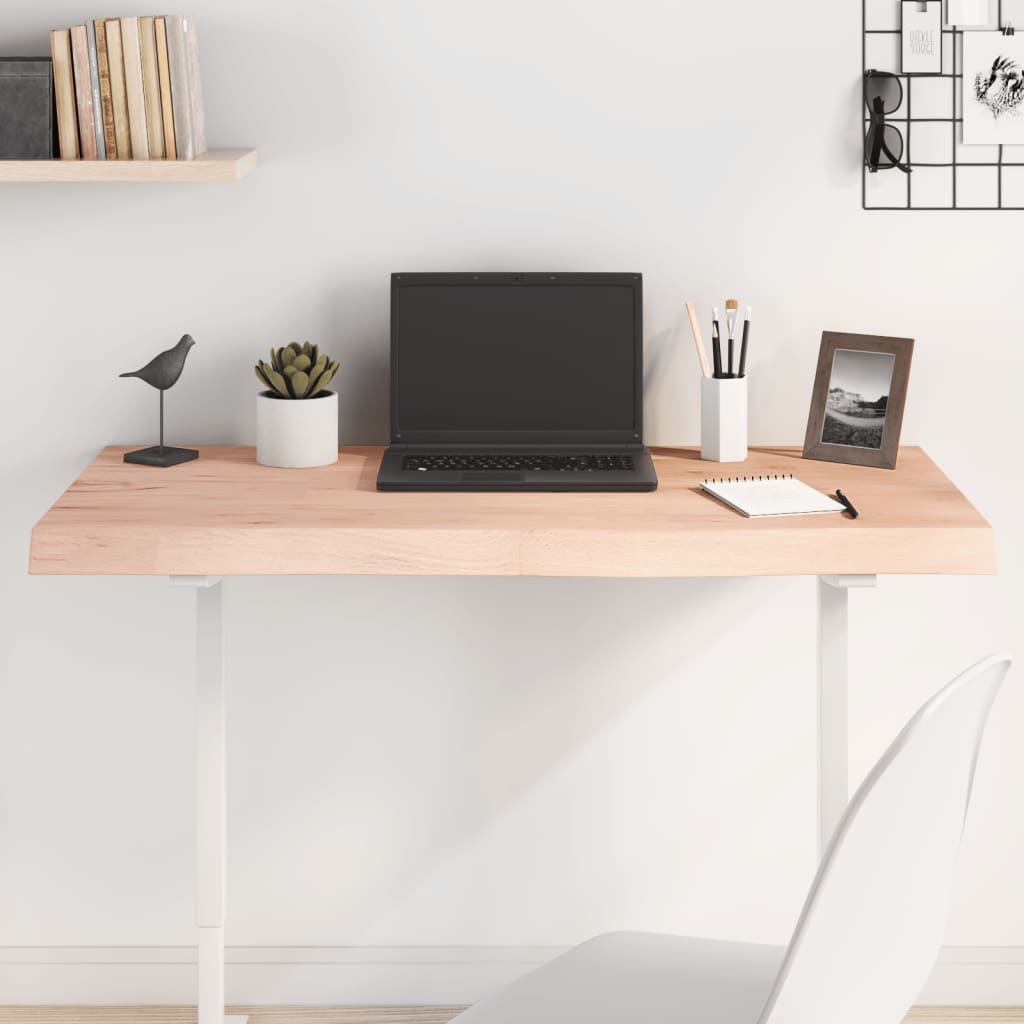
x=698, y=340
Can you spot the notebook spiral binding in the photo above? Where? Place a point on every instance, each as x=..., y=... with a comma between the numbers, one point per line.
x=748, y=479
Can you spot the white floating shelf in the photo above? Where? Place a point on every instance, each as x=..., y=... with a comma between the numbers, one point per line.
x=213, y=165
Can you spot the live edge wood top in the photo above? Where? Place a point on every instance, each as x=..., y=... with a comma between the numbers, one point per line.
x=225, y=515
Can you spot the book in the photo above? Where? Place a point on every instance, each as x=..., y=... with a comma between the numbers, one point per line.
x=134, y=89
x=151, y=88
x=781, y=495
x=64, y=93
x=27, y=122
x=106, y=102
x=94, y=84
x=83, y=93
x=186, y=91
x=118, y=94
x=164, y=71
x=195, y=84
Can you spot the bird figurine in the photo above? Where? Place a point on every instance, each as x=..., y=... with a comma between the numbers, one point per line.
x=162, y=372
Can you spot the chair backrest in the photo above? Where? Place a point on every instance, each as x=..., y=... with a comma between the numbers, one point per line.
x=873, y=922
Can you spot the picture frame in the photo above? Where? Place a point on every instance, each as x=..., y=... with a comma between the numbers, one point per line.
x=860, y=389
x=993, y=89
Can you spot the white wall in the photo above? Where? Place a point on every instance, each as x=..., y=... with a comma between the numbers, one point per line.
x=468, y=761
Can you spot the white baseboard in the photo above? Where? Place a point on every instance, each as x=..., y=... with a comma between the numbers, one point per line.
x=424, y=975
x=976, y=976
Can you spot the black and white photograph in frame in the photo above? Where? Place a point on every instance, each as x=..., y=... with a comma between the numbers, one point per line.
x=858, y=398
x=993, y=89
x=860, y=390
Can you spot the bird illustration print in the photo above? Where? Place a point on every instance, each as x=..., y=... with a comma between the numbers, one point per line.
x=1001, y=88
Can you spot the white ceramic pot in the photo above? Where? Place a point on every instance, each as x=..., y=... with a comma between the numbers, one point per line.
x=297, y=433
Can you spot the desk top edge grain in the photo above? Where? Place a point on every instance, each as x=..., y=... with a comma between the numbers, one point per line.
x=226, y=515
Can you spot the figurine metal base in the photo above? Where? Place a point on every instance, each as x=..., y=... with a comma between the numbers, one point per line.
x=160, y=456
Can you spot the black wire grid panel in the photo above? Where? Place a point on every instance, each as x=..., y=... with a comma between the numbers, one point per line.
x=960, y=177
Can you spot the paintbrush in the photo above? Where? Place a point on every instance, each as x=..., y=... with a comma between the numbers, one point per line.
x=732, y=312
x=716, y=344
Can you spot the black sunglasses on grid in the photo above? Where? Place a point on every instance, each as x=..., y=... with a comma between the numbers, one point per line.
x=883, y=144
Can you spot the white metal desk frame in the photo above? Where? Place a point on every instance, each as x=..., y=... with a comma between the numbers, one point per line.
x=211, y=788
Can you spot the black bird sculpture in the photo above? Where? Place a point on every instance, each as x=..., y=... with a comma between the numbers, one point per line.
x=162, y=372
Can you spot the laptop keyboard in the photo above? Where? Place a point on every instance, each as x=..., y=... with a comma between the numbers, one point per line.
x=511, y=462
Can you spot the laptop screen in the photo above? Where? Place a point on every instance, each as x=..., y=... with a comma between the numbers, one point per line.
x=517, y=357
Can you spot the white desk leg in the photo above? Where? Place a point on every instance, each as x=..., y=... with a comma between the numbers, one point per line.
x=833, y=726
x=211, y=796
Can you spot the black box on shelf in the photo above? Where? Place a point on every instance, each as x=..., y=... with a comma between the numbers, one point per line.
x=28, y=121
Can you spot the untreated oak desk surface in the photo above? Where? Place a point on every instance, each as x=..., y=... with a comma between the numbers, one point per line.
x=225, y=515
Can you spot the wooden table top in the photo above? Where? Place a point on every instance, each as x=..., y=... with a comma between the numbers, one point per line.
x=225, y=515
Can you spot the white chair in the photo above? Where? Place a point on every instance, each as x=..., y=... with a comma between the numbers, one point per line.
x=869, y=931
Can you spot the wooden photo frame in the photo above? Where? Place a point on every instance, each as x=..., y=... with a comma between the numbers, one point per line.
x=860, y=377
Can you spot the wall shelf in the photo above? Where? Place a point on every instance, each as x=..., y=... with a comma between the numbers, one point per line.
x=213, y=165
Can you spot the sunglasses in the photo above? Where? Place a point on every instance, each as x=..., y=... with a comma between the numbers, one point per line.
x=883, y=144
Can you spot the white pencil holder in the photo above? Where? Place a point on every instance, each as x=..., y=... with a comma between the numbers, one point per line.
x=723, y=419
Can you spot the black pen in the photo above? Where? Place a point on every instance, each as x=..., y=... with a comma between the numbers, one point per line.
x=716, y=345
x=743, y=344
x=849, y=504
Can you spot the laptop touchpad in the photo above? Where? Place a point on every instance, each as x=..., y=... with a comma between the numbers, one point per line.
x=481, y=477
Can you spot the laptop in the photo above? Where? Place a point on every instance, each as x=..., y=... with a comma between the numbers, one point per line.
x=517, y=382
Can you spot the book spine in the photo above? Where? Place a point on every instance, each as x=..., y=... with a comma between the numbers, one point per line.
x=164, y=71
x=64, y=92
x=118, y=96
x=134, y=89
x=151, y=87
x=83, y=93
x=195, y=85
x=106, y=102
x=94, y=84
x=181, y=100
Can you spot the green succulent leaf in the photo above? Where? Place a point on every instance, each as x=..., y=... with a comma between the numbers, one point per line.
x=303, y=363
x=314, y=377
x=323, y=381
x=288, y=355
x=278, y=384
x=299, y=384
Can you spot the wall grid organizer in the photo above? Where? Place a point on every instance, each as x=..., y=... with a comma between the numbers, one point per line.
x=946, y=173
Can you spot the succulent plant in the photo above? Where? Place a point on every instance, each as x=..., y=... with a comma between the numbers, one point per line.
x=296, y=371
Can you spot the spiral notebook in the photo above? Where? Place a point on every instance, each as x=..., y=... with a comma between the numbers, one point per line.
x=781, y=495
